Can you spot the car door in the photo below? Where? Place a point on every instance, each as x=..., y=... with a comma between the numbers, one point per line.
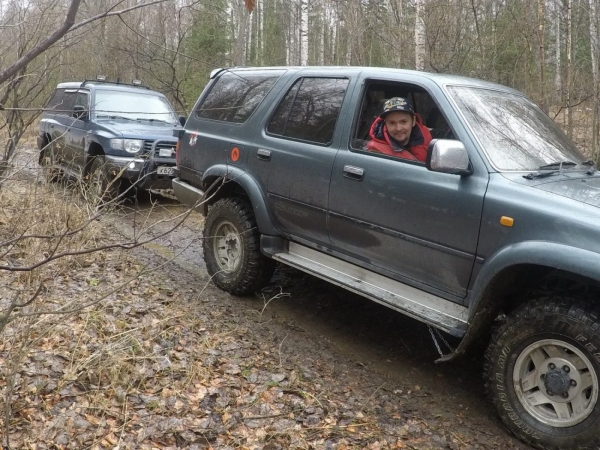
x=74, y=151
x=60, y=127
x=295, y=152
x=404, y=221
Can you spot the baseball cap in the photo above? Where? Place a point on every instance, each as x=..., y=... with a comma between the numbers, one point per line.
x=396, y=104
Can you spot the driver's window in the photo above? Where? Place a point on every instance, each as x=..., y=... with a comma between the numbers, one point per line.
x=81, y=106
x=376, y=95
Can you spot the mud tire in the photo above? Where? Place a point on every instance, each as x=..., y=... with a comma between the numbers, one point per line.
x=546, y=330
x=102, y=187
x=231, y=248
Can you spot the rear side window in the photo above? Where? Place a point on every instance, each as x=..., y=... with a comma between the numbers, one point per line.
x=310, y=109
x=235, y=95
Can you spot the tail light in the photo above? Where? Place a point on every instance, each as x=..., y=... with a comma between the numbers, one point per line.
x=177, y=153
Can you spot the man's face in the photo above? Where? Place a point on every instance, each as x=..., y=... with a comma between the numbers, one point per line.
x=399, y=124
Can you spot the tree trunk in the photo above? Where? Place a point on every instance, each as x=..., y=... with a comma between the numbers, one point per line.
x=557, y=54
x=595, y=48
x=303, y=32
x=324, y=26
x=419, y=36
x=261, y=30
x=569, y=67
x=249, y=39
x=479, y=38
x=541, y=24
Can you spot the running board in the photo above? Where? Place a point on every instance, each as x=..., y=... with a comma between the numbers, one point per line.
x=413, y=302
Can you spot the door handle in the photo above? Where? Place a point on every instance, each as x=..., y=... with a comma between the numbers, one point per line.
x=263, y=154
x=354, y=173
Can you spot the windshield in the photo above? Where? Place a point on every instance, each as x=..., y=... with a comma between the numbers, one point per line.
x=514, y=132
x=134, y=106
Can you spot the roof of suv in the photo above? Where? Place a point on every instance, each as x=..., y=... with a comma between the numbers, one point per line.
x=104, y=84
x=438, y=78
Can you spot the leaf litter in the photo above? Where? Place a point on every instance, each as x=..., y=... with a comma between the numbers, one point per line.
x=168, y=362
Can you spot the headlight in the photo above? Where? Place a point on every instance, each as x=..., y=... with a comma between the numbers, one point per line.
x=129, y=145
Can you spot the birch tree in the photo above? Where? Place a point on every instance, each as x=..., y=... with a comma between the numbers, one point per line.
x=419, y=36
x=569, y=86
x=304, y=32
x=542, y=51
x=594, y=49
x=557, y=51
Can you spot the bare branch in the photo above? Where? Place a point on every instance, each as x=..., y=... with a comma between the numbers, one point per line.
x=45, y=44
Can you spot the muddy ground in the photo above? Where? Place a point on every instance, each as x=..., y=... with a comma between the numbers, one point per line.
x=389, y=358
x=302, y=364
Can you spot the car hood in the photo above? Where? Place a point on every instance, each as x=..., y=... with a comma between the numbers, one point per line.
x=585, y=189
x=141, y=130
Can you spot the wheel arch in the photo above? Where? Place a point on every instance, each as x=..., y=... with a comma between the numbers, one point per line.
x=94, y=149
x=522, y=268
x=237, y=182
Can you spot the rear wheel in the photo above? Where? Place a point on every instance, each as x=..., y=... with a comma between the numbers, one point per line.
x=103, y=186
x=232, y=248
x=542, y=370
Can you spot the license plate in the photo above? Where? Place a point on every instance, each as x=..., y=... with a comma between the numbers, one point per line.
x=165, y=170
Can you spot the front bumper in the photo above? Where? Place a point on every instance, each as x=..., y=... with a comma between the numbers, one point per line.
x=142, y=172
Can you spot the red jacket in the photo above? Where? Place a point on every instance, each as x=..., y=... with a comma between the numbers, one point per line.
x=382, y=142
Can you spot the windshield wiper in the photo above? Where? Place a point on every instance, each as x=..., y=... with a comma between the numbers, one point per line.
x=154, y=120
x=549, y=169
x=557, y=164
x=111, y=116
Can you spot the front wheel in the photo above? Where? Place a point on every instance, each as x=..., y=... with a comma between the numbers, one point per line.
x=232, y=248
x=542, y=370
x=103, y=186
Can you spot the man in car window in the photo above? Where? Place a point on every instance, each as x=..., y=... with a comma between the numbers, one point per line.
x=399, y=132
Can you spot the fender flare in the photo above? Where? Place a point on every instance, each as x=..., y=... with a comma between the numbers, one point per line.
x=577, y=261
x=542, y=253
x=252, y=189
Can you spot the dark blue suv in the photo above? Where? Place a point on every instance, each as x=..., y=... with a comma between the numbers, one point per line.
x=114, y=136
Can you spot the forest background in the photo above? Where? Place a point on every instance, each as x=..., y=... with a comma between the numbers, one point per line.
x=545, y=48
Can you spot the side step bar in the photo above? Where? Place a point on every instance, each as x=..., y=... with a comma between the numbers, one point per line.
x=420, y=305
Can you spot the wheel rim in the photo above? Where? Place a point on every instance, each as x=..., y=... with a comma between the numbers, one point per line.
x=227, y=247
x=556, y=383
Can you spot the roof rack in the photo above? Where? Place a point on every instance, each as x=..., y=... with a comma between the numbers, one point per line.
x=103, y=80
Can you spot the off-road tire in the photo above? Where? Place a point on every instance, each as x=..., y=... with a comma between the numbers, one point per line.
x=102, y=187
x=252, y=269
x=48, y=162
x=522, y=353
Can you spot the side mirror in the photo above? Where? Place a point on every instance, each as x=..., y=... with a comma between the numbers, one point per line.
x=80, y=112
x=182, y=120
x=448, y=156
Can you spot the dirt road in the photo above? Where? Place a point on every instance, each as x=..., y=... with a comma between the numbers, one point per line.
x=170, y=361
x=380, y=359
